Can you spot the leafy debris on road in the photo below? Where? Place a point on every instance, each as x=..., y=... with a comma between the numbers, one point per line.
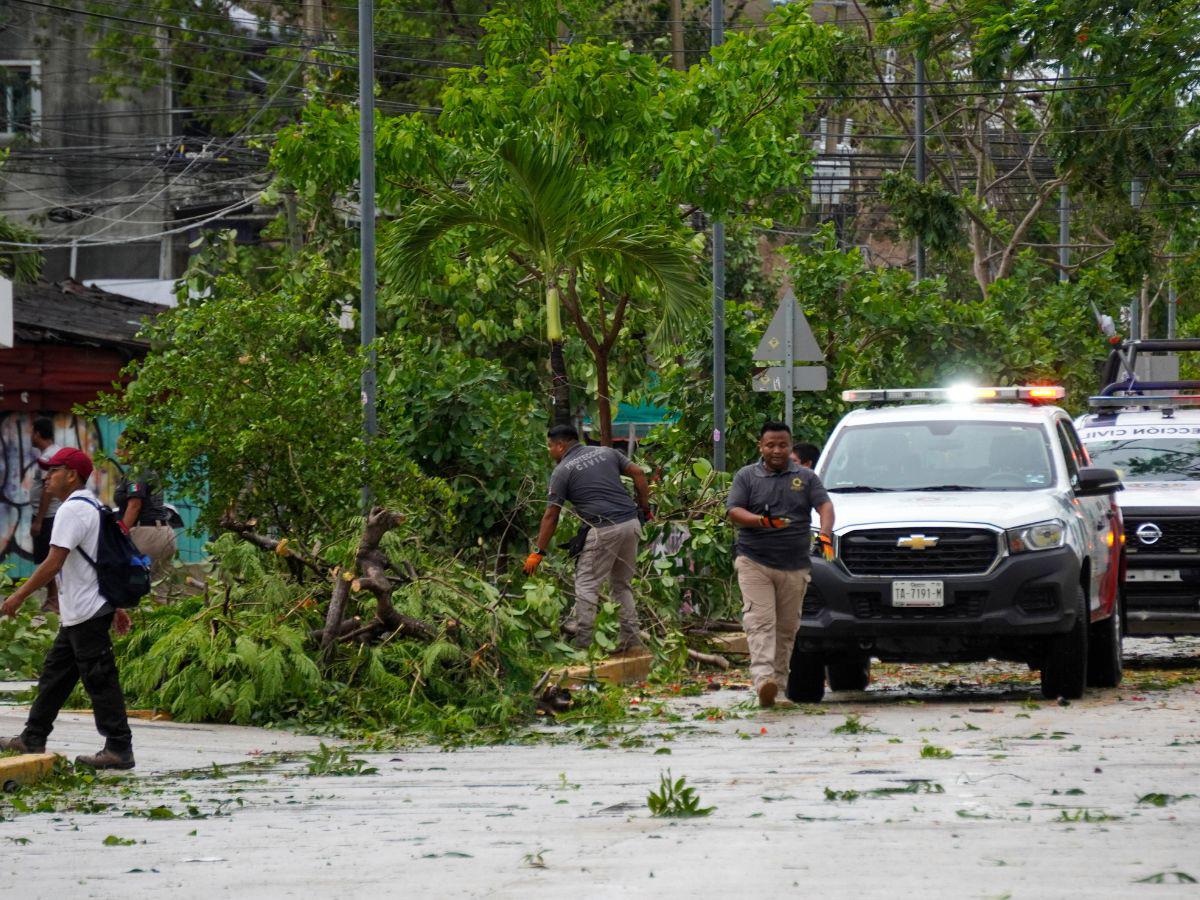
x=674, y=799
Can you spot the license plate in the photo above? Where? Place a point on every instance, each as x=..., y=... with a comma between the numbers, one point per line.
x=1153, y=575
x=918, y=593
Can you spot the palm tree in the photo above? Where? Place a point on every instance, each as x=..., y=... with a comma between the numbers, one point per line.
x=532, y=200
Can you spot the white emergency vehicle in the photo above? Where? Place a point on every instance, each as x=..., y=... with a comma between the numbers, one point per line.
x=968, y=528
x=1149, y=431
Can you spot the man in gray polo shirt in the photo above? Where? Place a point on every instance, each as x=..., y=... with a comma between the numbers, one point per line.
x=589, y=478
x=771, y=503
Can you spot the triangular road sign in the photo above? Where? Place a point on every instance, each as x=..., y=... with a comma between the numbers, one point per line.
x=804, y=346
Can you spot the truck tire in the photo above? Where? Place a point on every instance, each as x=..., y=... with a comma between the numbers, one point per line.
x=806, y=680
x=1064, y=668
x=1104, y=651
x=852, y=673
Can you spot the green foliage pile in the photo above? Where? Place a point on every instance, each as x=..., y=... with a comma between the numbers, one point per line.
x=244, y=653
x=24, y=642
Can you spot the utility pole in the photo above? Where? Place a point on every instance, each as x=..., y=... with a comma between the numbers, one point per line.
x=677, y=57
x=919, y=138
x=789, y=361
x=1064, y=233
x=1064, y=214
x=1135, y=312
x=366, y=189
x=718, y=291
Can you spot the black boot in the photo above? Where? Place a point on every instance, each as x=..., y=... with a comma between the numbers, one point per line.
x=107, y=759
x=20, y=745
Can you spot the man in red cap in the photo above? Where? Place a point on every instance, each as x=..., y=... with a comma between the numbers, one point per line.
x=83, y=647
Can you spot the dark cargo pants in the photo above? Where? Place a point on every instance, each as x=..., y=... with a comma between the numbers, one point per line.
x=82, y=651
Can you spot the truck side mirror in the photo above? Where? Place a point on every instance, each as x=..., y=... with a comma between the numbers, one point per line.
x=1095, y=481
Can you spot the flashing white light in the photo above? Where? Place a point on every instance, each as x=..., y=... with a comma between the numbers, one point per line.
x=959, y=393
x=962, y=393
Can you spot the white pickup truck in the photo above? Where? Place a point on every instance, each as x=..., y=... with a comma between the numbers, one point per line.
x=967, y=529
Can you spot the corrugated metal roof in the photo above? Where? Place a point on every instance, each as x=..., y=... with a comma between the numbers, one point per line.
x=70, y=312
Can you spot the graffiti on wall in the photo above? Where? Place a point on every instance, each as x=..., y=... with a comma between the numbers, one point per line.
x=18, y=458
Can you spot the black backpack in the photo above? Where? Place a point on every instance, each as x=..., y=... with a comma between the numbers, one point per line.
x=121, y=569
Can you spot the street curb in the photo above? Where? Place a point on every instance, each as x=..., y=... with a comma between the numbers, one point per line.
x=627, y=668
x=732, y=642
x=149, y=715
x=25, y=769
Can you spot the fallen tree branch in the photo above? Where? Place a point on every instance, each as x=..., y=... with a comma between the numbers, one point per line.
x=709, y=659
x=247, y=533
x=372, y=564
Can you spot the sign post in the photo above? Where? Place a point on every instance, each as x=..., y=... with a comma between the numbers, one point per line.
x=6, y=314
x=789, y=339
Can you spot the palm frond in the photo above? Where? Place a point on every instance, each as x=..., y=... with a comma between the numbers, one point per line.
x=533, y=195
x=657, y=257
x=405, y=256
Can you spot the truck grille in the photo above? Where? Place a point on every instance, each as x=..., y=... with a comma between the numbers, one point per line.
x=1178, y=535
x=958, y=551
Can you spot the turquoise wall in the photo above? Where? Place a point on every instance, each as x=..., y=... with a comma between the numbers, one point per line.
x=17, y=457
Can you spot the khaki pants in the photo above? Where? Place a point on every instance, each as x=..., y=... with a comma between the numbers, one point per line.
x=609, y=554
x=158, y=543
x=772, y=600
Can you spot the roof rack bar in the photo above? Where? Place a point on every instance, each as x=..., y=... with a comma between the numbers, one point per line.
x=1168, y=401
x=1160, y=345
x=1133, y=385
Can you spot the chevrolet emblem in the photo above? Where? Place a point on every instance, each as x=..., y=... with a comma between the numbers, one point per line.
x=917, y=542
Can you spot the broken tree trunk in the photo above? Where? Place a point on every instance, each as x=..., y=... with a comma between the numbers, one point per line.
x=371, y=564
x=335, y=613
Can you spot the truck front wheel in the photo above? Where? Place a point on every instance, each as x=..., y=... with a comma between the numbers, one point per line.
x=1064, y=668
x=806, y=680
x=1104, y=651
x=851, y=673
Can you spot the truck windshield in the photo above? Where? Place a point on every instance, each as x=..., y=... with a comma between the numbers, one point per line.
x=1149, y=459
x=939, y=456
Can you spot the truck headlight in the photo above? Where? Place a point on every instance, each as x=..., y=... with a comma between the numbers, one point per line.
x=1039, y=536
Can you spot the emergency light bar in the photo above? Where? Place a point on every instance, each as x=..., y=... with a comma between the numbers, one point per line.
x=1032, y=393
x=1167, y=401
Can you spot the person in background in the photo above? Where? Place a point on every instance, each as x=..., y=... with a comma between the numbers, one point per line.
x=589, y=478
x=805, y=454
x=44, y=506
x=771, y=503
x=140, y=505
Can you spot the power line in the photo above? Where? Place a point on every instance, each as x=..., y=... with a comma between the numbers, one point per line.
x=188, y=32
x=112, y=242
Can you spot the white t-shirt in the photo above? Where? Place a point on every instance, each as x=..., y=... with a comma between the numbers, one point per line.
x=77, y=525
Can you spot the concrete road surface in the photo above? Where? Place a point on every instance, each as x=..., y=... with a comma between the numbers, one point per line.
x=937, y=782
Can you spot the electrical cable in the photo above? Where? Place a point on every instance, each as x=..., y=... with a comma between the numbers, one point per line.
x=241, y=204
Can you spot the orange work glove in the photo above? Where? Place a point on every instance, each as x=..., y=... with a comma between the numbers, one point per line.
x=532, y=561
x=825, y=542
x=773, y=522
